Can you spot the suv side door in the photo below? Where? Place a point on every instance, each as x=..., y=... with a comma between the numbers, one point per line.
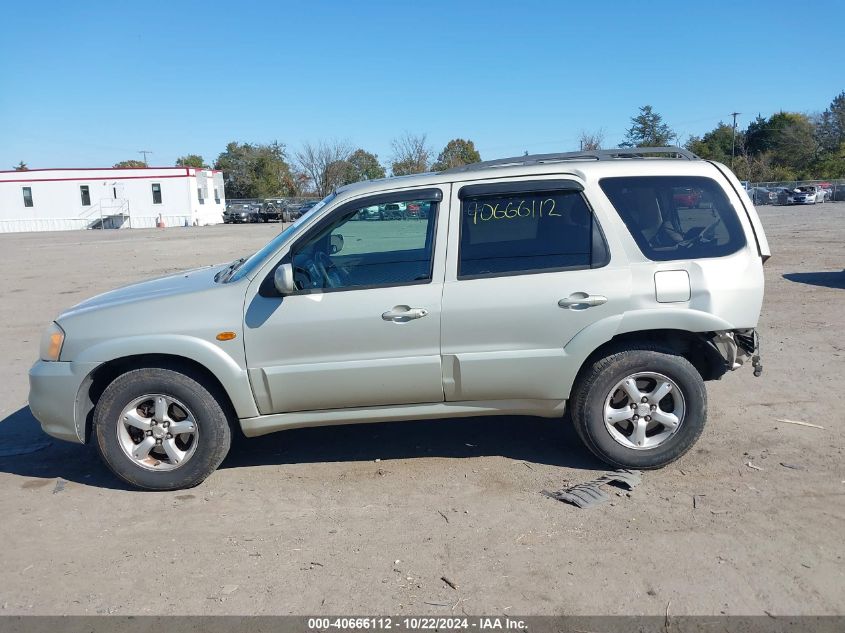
x=363, y=328
x=531, y=269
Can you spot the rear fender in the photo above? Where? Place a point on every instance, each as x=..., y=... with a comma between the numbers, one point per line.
x=588, y=340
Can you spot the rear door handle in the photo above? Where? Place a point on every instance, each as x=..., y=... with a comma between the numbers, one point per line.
x=581, y=301
x=402, y=314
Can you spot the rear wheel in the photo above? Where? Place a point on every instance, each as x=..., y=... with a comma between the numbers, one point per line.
x=639, y=409
x=160, y=429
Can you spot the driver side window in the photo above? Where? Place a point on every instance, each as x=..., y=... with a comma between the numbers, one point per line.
x=372, y=245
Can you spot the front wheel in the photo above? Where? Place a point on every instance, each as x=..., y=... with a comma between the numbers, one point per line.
x=160, y=429
x=639, y=409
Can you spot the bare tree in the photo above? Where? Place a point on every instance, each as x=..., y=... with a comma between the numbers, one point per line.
x=318, y=160
x=411, y=154
x=591, y=140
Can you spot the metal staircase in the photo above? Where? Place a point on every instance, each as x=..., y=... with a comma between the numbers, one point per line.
x=109, y=213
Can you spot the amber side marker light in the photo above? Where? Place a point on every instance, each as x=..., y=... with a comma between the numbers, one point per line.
x=56, y=340
x=226, y=336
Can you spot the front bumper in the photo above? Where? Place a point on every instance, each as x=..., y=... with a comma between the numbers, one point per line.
x=53, y=392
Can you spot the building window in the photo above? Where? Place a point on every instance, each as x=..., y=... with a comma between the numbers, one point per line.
x=156, y=193
x=216, y=196
x=199, y=194
x=27, y=196
x=86, y=195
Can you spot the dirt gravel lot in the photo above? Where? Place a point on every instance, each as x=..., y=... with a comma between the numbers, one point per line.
x=367, y=519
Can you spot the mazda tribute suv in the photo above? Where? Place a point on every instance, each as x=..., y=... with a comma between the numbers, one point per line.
x=585, y=281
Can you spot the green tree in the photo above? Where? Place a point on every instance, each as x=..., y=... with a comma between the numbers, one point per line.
x=795, y=145
x=21, y=166
x=131, y=163
x=365, y=166
x=456, y=153
x=831, y=125
x=256, y=170
x=191, y=160
x=759, y=137
x=648, y=130
x=831, y=164
x=716, y=144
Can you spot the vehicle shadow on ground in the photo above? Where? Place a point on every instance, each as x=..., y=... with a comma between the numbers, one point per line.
x=825, y=279
x=26, y=451
x=536, y=440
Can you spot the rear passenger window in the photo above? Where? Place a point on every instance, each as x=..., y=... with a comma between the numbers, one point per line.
x=527, y=232
x=676, y=217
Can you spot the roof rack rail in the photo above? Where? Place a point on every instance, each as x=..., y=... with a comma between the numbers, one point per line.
x=599, y=154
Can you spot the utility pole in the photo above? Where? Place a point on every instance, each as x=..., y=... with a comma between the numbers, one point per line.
x=145, y=152
x=733, y=142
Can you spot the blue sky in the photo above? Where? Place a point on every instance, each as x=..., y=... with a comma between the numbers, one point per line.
x=90, y=83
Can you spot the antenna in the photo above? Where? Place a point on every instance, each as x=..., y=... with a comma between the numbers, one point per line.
x=145, y=152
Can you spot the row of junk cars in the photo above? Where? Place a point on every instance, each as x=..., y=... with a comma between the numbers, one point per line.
x=805, y=194
x=269, y=210
x=290, y=209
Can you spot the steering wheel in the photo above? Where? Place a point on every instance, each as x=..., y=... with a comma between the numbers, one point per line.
x=335, y=277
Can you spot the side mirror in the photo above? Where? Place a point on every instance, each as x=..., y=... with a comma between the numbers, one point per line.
x=283, y=279
x=336, y=243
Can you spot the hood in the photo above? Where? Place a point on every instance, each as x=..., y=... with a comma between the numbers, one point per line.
x=182, y=283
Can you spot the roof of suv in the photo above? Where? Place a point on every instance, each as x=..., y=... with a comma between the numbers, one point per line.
x=530, y=164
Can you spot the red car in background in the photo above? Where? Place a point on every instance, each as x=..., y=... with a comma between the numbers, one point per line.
x=689, y=198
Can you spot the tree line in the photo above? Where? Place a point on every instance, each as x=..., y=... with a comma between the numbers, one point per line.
x=785, y=146
x=269, y=170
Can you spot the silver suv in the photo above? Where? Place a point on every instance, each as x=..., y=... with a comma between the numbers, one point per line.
x=614, y=282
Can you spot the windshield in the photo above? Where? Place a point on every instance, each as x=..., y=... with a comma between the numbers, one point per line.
x=253, y=262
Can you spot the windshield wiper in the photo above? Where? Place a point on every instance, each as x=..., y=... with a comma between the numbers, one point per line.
x=231, y=268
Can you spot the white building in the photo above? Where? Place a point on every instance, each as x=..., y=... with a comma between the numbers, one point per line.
x=64, y=199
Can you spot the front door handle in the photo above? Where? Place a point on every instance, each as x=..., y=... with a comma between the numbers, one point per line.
x=403, y=314
x=581, y=301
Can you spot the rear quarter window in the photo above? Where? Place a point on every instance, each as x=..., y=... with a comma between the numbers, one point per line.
x=676, y=217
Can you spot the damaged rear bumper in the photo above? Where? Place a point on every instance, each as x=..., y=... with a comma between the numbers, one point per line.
x=737, y=347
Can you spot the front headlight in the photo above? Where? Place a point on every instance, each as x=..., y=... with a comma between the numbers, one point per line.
x=51, y=342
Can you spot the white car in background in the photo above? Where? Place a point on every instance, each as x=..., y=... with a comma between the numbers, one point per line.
x=808, y=194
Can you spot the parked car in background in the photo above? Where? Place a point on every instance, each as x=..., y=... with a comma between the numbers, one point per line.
x=827, y=189
x=271, y=209
x=238, y=213
x=372, y=212
x=393, y=211
x=785, y=195
x=763, y=195
x=687, y=198
x=294, y=209
x=306, y=206
x=808, y=194
x=417, y=210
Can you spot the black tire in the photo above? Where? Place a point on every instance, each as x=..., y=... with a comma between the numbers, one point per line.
x=593, y=387
x=214, y=437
